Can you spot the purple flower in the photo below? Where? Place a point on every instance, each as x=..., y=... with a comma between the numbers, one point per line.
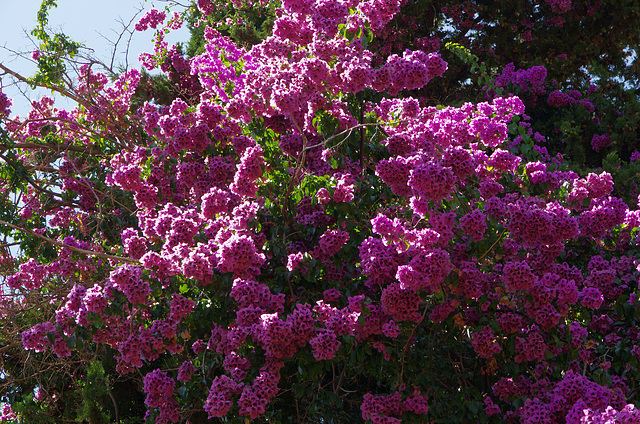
x=431, y=181
x=151, y=19
x=159, y=388
x=599, y=142
x=324, y=345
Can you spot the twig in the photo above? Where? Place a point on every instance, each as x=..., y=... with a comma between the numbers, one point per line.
x=406, y=346
x=362, y=137
x=464, y=206
x=35, y=185
x=115, y=404
x=341, y=378
x=348, y=131
x=494, y=243
x=296, y=173
x=125, y=30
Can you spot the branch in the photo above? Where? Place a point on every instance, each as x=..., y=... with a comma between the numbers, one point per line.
x=120, y=36
x=348, y=132
x=52, y=147
x=175, y=2
x=74, y=248
x=61, y=91
x=406, y=346
x=360, y=126
x=296, y=173
x=55, y=118
x=492, y=246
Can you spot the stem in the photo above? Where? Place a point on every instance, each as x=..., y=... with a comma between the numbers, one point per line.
x=115, y=404
x=492, y=246
x=295, y=175
x=348, y=132
x=406, y=346
x=464, y=206
x=362, y=134
x=341, y=378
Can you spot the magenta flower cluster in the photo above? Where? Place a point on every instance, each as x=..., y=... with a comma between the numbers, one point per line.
x=5, y=104
x=151, y=19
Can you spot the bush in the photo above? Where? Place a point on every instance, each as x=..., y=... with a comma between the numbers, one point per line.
x=301, y=236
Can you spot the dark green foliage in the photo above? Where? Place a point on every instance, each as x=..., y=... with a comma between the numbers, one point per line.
x=94, y=391
x=54, y=50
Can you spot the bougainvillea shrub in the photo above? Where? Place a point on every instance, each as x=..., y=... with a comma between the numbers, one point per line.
x=297, y=237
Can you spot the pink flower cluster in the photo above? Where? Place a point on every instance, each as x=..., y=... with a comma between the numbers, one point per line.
x=559, y=99
x=7, y=413
x=5, y=104
x=128, y=280
x=382, y=409
x=599, y=142
x=578, y=400
x=474, y=224
x=324, y=345
x=379, y=12
x=151, y=19
x=528, y=80
x=484, y=343
x=159, y=388
x=559, y=6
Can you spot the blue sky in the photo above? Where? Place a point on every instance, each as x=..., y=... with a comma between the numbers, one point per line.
x=94, y=23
